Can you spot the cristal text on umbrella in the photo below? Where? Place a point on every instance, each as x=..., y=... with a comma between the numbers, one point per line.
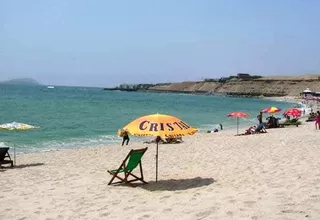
x=144, y=125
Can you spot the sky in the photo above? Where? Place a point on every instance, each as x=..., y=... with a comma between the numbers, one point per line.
x=104, y=43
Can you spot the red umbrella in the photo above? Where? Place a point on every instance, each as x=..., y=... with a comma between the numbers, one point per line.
x=293, y=112
x=237, y=115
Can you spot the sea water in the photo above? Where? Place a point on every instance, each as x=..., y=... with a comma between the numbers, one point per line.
x=83, y=117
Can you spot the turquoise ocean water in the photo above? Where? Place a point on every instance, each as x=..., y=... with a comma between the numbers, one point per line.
x=83, y=117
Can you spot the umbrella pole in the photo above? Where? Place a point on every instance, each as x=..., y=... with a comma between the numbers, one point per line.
x=14, y=155
x=237, y=125
x=157, y=163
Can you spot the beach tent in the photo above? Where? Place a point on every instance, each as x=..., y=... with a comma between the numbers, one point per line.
x=307, y=90
x=159, y=125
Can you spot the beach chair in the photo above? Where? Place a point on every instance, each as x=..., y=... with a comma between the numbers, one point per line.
x=4, y=153
x=132, y=160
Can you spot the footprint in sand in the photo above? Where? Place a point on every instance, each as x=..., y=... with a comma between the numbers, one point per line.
x=116, y=202
x=249, y=203
x=104, y=214
x=165, y=197
x=128, y=207
x=144, y=217
x=229, y=213
x=292, y=211
x=315, y=196
x=203, y=214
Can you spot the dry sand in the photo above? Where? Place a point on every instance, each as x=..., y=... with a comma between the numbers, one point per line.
x=209, y=176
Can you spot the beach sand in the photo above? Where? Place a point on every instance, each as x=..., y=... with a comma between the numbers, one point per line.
x=209, y=176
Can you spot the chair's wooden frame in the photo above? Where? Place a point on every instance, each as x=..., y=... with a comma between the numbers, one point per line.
x=129, y=172
x=7, y=155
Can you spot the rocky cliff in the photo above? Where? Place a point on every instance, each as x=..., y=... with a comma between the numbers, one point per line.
x=266, y=86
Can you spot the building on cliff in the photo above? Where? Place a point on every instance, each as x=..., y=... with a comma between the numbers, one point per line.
x=247, y=76
x=309, y=95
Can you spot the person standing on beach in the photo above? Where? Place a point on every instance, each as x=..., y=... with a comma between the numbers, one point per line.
x=260, y=127
x=259, y=117
x=317, y=123
x=125, y=138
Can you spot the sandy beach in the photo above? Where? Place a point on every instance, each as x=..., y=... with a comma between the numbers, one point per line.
x=209, y=176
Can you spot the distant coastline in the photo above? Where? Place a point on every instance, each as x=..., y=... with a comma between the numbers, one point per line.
x=243, y=85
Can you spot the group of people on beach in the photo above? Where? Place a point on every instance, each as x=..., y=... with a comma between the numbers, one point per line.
x=158, y=139
x=216, y=128
x=260, y=128
x=314, y=116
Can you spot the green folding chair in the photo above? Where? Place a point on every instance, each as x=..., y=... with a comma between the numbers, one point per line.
x=134, y=159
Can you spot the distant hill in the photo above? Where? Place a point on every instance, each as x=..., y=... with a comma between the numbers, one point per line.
x=23, y=81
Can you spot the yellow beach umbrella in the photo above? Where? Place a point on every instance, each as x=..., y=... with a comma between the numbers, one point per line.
x=16, y=126
x=159, y=125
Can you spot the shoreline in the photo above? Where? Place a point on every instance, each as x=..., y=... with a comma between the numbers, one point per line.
x=290, y=99
x=243, y=125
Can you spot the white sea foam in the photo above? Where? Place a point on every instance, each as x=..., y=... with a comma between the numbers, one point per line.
x=3, y=144
x=99, y=141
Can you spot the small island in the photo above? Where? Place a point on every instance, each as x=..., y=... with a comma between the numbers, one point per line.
x=21, y=81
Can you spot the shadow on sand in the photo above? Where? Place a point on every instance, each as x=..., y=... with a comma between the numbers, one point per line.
x=20, y=166
x=178, y=184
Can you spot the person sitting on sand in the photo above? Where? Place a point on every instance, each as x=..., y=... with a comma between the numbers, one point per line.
x=272, y=122
x=216, y=129
x=312, y=117
x=173, y=140
x=158, y=139
x=261, y=129
x=251, y=130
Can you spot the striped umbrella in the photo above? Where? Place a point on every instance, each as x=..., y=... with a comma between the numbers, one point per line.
x=271, y=109
x=238, y=115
